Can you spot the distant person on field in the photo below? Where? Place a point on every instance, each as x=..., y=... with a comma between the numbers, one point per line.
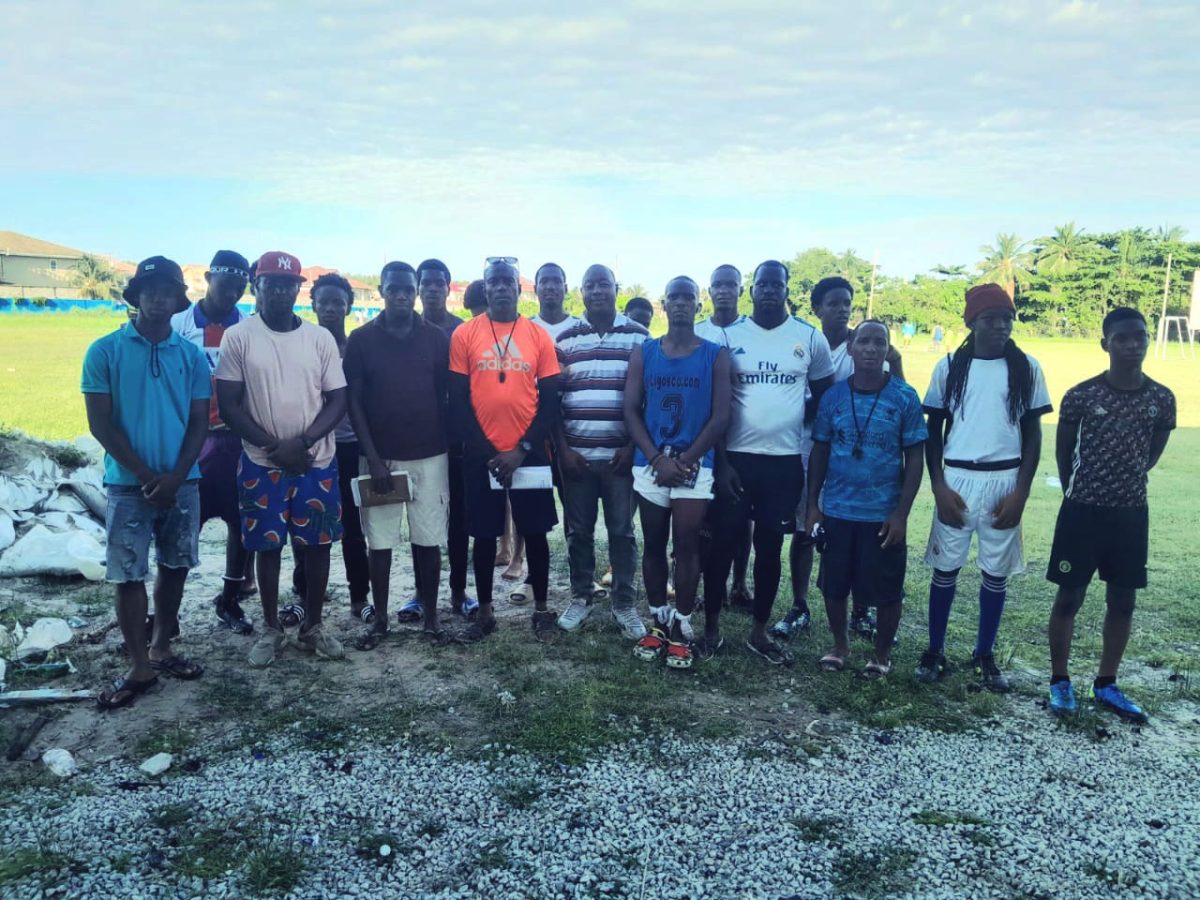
x=676, y=409
x=332, y=300
x=1112, y=429
x=205, y=325
x=938, y=335
x=280, y=386
x=147, y=394
x=640, y=310
x=865, y=471
x=397, y=367
x=985, y=404
x=504, y=381
x=595, y=452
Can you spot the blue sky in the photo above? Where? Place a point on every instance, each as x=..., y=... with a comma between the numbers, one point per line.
x=659, y=137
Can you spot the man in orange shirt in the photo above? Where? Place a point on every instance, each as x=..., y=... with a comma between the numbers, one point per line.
x=504, y=395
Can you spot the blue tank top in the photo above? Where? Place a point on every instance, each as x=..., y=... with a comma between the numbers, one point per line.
x=677, y=396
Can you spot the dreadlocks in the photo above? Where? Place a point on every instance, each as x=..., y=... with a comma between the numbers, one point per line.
x=1020, y=377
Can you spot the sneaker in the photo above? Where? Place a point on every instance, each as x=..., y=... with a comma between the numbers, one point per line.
x=989, y=674
x=628, y=622
x=792, y=624
x=931, y=668
x=231, y=614
x=262, y=654
x=575, y=615
x=863, y=626
x=326, y=646
x=1062, y=698
x=1113, y=698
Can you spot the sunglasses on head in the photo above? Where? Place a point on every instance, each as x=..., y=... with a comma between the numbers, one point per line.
x=507, y=260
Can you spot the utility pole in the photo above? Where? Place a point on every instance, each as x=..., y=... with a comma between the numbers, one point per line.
x=1162, y=319
x=871, y=296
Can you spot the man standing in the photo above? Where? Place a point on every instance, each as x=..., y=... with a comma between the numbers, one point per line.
x=777, y=362
x=550, y=284
x=640, y=310
x=205, y=325
x=594, y=452
x=676, y=408
x=397, y=368
x=280, y=386
x=725, y=288
x=504, y=380
x=1112, y=430
x=147, y=393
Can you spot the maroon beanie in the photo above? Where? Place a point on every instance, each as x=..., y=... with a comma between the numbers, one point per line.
x=983, y=297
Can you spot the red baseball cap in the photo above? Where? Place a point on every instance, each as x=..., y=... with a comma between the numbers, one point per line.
x=278, y=264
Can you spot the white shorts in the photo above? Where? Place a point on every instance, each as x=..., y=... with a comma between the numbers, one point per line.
x=428, y=512
x=1001, y=552
x=645, y=485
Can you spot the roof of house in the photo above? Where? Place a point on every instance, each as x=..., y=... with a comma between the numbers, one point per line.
x=16, y=244
x=312, y=273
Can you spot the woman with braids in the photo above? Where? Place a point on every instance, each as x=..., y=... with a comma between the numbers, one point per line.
x=985, y=404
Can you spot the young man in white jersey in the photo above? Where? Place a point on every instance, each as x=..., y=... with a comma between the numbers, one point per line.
x=985, y=405
x=832, y=299
x=777, y=361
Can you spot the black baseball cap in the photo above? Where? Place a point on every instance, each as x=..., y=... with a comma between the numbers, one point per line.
x=230, y=262
x=157, y=267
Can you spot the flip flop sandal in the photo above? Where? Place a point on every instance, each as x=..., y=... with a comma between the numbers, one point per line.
x=439, y=638
x=291, y=616
x=599, y=591
x=369, y=640
x=131, y=689
x=705, y=649
x=178, y=667
x=367, y=614
x=652, y=646
x=831, y=662
x=875, y=670
x=679, y=655
x=774, y=654
x=410, y=612
x=545, y=626
x=521, y=596
x=467, y=609
x=476, y=631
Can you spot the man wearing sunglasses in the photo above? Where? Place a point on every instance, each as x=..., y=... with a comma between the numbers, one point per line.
x=281, y=388
x=504, y=395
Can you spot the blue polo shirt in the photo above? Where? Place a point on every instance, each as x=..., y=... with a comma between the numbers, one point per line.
x=152, y=388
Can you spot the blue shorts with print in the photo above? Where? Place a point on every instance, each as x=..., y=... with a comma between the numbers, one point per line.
x=132, y=522
x=275, y=504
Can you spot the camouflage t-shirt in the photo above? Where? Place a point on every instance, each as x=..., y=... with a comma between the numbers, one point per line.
x=1113, y=429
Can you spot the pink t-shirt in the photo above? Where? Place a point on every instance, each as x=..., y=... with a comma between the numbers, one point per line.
x=286, y=375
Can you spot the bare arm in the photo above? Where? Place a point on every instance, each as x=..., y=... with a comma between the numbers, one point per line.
x=231, y=401
x=895, y=528
x=1064, y=449
x=327, y=419
x=161, y=489
x=366, y=443
x=951, y=508
x=1008, y=512
x=1158, y=443
x=635, y=397
x=113, y=439
x=895, y=362
x=818, y=468
x=816, y=388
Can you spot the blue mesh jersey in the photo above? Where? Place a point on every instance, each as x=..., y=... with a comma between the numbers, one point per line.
x=865, y=487
x=678, y=396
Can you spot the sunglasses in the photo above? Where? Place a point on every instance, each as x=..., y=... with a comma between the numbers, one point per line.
x=506, y=260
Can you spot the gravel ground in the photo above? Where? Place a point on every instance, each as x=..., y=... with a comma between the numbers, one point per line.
x=1019, y=811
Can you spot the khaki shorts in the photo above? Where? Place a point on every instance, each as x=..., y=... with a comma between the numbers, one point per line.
x=428, y=512
x=649, y=489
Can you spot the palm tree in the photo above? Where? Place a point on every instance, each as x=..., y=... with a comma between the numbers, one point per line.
x=1170, y=234
x=953, y=271
x=1007, y=263
x=1059, y=253
x=96, y=279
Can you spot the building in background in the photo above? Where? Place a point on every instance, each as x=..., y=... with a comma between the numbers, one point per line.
x=31, y=267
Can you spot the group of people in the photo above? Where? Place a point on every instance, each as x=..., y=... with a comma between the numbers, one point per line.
x=724, y=436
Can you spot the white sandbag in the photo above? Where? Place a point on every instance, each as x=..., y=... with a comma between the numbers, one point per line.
x=8, y=531
x=91, y=495
x=20, y=494
x=62, y=521
x=43, y=469
x=43, y=635
x=64, y=500
x=60, y=762
x=42, y=552
x=157, y=764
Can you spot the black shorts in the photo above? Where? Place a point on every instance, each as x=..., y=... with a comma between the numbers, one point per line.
x=533, y=510
x=1112, y=539
x=219, y=456
x=771, y=489
x=854, y=561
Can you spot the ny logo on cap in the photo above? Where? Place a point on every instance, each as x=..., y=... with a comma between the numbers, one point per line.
x=284, y=263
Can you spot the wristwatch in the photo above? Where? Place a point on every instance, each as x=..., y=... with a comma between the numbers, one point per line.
x=525, y=445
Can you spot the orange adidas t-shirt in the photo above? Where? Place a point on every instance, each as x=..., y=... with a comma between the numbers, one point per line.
x=482, y=349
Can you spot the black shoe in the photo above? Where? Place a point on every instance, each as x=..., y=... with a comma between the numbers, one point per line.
x=792, y=624
x=989, y=674
x=863, y=626
x=931, y=668
x=231, y=614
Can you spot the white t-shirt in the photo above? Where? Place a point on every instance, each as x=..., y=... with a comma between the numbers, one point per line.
x=771, y=371
x=555, y=330
x=711, y=331
x=980, y=431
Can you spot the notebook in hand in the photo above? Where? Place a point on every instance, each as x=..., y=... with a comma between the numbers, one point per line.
x=526, y=478
x=365, y=496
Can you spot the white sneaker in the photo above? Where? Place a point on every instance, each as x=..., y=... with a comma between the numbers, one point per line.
x=272, y=640
x=575, y=615
x=629, y=623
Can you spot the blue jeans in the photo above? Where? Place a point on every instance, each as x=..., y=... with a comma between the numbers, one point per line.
x=581, y=498
x=131, y=521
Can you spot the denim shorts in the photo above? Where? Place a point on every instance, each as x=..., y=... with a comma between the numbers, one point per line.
x=131, y=521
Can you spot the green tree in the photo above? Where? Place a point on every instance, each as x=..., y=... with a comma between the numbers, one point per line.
x=1007, y=263
x=1059, y=253
x=96, y=279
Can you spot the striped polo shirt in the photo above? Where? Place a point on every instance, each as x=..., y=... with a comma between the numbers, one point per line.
x=593, y=383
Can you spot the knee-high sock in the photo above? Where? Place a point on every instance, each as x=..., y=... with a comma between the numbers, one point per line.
x=941, y=596
x=992, y=593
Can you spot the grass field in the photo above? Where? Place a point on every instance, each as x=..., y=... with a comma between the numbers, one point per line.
x=39, y=393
